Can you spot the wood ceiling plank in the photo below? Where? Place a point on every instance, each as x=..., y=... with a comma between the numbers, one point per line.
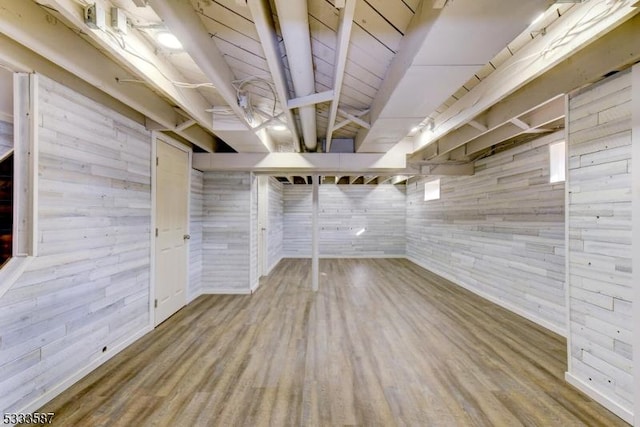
x=236, y=38
x=370, y=21
x=369, y=51
x=231, y=5
x=412, y=4
x=367, y=77
x=394, y=11
x=214, y=11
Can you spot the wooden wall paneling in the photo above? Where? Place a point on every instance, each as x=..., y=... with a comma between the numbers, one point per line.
x=499, y=233
x=635, y=154
x=275, y=227
x=226, y=233
x=6, y=137
x=254, y=229
x=194, y=289
x=86, y=296
x=600, y=244
x=379, y=211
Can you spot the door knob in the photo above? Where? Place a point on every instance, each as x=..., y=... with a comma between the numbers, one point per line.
x=186, y=237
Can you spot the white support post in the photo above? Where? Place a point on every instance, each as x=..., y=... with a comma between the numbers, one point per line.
x=315, y=271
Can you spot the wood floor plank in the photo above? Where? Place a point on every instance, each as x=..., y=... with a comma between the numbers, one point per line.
x=383, y=342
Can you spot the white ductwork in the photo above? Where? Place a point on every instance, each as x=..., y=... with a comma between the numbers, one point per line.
x=442, y=49
x=294, y=24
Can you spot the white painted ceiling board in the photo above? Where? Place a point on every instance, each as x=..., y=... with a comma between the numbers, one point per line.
x=423, y=88
x=395, y=11
x=489, y=25
x=373, y=23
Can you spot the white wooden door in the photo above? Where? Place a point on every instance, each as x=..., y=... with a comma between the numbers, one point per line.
x=172, y=222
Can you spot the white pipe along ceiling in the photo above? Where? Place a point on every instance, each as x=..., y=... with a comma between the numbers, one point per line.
x=421, y=78
x=294, y=24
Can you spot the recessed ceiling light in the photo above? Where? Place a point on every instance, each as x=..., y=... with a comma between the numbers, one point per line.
x=279, y=127
x=415, y=129
x=168, y=40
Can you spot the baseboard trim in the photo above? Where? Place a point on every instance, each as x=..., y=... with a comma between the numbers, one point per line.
x=65, y=384
x=254, y=286
x=504, y=304
x=227, y=292
x=346, y=256
x=272, y=266
x=599, y=397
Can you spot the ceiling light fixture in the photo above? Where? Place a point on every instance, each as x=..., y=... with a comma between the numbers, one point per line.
x=279, y=127
x=168, y=40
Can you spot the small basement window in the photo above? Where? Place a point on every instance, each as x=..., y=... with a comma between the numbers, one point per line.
x=432, y=190
x=6, y=208
x=557, y=152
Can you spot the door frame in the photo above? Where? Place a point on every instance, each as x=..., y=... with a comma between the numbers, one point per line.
x=263, y=224
x=155, y=136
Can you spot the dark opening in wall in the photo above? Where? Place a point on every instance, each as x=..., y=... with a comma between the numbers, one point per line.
x=6, y=208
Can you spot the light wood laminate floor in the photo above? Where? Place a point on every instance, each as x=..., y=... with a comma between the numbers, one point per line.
x=383, y=343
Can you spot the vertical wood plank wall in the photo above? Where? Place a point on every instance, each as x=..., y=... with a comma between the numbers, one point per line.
x=499, y=233
x=194, y=288
x=226, y=233
x=89, y=288
x=600, y=251
x=275, y=223
x=253, y=240
x=6, y=137
x=345, y=210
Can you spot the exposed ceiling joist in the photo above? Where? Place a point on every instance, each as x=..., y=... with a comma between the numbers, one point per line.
x=305, y=163
x=342, y=47
x=522, y=125
x=19, y=58
x=29, y=24
x=423, y=75
x=129, y=50
x=612, y=51
x=344, y=123
x=355, y=118
x=183, y=21
x=370, y=179
x=313, y=99
x=476, y=124
x=547, y=113
x=263, y=20
x=537, y=58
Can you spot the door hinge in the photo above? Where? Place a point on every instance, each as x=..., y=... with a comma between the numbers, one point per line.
x=155, y=304
x=156, y=232
x=157, y=161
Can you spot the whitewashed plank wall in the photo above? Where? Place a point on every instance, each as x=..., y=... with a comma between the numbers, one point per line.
x=600, y=252
x=275, y=223
x=89, y=288
x=226, y=233
x=499, y=233
x=6, y=137
x=344, y=211
x=195, y=231
x=253, y=237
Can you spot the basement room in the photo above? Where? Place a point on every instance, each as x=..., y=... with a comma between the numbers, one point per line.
x=319, y=212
